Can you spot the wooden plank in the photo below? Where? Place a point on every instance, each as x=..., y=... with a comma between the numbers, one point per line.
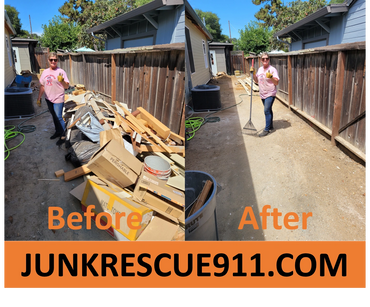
x=175, y=149
x=362, y=132
x=113, y=77
x=290, y=81
x=338, y=100
x=201, y=198
x=99, y=114
x=177, y=138
x=244, y=86
x=75, y=173
x=162, y=130
x=59, y=173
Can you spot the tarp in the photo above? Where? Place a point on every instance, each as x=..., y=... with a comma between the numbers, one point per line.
x=84, y=49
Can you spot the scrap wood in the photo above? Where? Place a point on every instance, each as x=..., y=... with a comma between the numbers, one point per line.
x=98, y=113
x=77, y=172
x=177, y=182
x=59, y=173
x=178, y=159
x=151, y=148
x=202, y=197
x=162, y=130
x=255, y=86
x=245, y=87
x=177, y=138
x=74, y=123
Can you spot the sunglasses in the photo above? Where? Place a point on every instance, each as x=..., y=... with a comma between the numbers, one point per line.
x=53, y=60
x=265, y=59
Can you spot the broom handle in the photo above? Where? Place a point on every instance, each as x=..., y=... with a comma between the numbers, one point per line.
x=250, y=108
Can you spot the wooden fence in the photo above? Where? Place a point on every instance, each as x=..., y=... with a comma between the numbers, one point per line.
x=151, y=77
x=327, y=86
x=237, y=62
x=41, y=58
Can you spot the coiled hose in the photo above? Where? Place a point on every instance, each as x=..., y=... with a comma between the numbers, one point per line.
x=10, y=133
x=193, y=124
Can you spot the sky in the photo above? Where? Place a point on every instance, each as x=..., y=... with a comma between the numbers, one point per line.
x=41, y=11
x=239, y=13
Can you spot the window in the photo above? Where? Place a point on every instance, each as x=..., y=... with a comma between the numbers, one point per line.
x=190, y=51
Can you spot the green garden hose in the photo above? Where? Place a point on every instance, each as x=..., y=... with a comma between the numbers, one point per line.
x=193, y=124
x=10, y=133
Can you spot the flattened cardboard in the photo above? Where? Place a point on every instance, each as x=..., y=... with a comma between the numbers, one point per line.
x=159, y=230
x=114, y=163
x=159, y=187
x=156, y=203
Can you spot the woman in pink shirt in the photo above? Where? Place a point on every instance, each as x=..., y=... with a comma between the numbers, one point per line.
x=53, y=83
x=267, y=78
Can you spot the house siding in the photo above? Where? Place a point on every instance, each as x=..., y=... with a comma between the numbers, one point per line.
x=355, y=24
x=114, y=43
x=8, y=70
x=202, y=74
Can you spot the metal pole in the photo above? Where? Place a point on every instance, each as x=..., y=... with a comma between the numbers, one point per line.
x=229, y=31
x=30, y=25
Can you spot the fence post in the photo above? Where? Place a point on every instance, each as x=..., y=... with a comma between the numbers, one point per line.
x=70, y=68
x=113, y=77
x=243, y=62
x=338, y=99
x=290, y=85
x=84, y=75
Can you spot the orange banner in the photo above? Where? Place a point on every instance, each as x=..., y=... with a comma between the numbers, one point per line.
x=184, y=264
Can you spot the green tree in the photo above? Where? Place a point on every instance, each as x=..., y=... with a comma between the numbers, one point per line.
x=89, y=14
x=254, y=38
x=212, y=22
x=267, y=14
x=60, y=34
x=13, y=16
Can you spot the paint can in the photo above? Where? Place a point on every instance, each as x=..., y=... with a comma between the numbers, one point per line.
x=157, y=166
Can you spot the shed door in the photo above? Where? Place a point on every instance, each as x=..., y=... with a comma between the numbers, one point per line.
x=17, y=60
x=213, y=62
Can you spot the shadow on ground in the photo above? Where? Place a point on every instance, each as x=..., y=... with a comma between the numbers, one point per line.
x=228, y=164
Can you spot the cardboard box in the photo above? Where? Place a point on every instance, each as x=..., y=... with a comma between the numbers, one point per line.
x=159, y=204
x=114, y=163
x=107, y=200
x=159, y=187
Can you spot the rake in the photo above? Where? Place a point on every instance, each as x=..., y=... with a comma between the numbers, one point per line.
x=249, y=128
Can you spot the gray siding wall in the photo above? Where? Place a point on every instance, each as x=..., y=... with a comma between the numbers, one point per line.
x=336, y=30
x=355, y=24
x=171, y=26
x=24, y=56
x=296, y=46
x=113, y=43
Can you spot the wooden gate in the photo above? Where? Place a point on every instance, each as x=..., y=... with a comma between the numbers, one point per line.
x=41, y=58
x=237, y=61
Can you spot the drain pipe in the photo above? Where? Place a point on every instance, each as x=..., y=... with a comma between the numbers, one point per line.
x=281, y=41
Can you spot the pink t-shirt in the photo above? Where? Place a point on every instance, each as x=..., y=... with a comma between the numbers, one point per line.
x=267, y=88
x=54, y=90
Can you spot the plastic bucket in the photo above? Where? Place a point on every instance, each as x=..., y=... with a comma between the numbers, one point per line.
x=202, y=224
x=157, y=166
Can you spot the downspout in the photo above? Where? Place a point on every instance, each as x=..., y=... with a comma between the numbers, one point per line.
x=281, y=41
x=105, y=44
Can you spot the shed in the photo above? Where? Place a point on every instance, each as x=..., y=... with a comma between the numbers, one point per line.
x=220, y=57
x=24, y=54
x=156, y=23
x=197, y=59
x=9, y=68
x=331, y=25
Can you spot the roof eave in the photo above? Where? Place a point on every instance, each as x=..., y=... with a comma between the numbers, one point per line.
x=330, y=9
x=194, y=15
x=139, y=11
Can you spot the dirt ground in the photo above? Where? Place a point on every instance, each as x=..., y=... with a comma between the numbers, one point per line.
x=293, y=169
x=27, y=198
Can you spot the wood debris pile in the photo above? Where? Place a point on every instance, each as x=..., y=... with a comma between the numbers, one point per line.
x=111, y=147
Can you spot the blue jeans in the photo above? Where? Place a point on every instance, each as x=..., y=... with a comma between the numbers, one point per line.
x=56, y=110
x=267, y=103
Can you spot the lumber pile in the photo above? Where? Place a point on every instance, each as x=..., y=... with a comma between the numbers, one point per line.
x=248, y=82
x=132, y=164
